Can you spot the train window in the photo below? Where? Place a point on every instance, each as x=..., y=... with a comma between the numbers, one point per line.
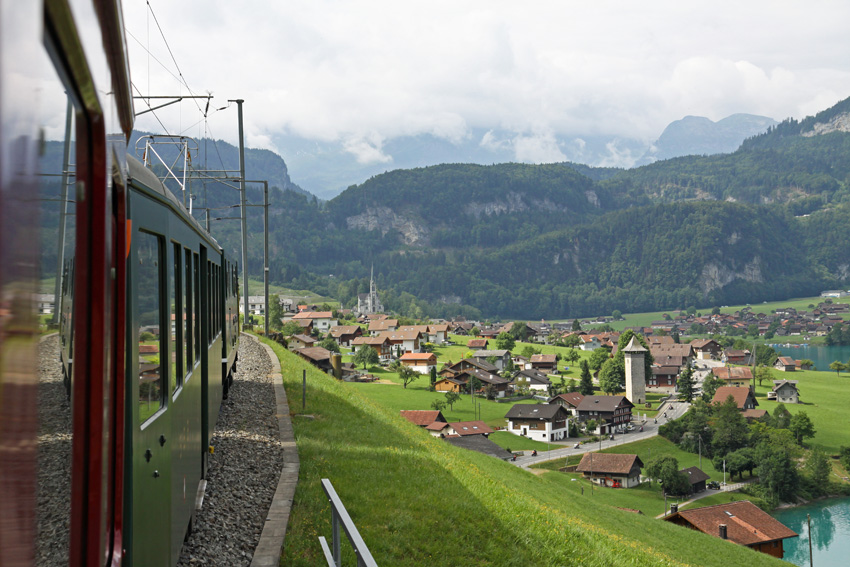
x=187, y=312
x=149, y=337
x=209, y=303
x=197, y=317
x=175, y=326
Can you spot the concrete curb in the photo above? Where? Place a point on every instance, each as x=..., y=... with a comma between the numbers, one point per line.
x=270, y=545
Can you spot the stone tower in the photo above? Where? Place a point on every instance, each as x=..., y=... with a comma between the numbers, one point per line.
x=634, y=354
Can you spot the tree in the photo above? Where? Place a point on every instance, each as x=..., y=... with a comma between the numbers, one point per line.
x=571, y=340
x=451, y=398
x=817, y=465
x=709, y=387
x=590, y=426
x=730, y=429
x=781, y=417
x=576, y=325
x=609, y=377
x=505, y=341
x=275, y=313
x=801, y=426
x=433, y=377
x=572, y=356
x=490, y=392
x=528, y=351
x=844, y=457
x=366, y=356
x=473, y=332
x=598, y=358
x=616, y=315
x=585, y=386
x=838, y=366
x=763, y=373
x=777, y=472
x=329, y=344
x=685, y=384
x=290, y=328
x=407, y=375
x=438, y=405
x=665, y=470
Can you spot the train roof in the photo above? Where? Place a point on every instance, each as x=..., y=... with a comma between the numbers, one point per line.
x=141, y=175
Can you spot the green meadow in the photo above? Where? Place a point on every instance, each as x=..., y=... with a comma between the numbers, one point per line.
x=417, y=500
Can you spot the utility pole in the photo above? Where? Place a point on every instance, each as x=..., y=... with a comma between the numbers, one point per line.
x=63, y=211
x=239, y=102
x=266, y=255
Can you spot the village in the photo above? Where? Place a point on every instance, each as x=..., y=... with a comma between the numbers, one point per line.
x=546, y=401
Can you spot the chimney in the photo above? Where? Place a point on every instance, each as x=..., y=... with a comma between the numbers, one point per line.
x=674, y=508
x=723, y=531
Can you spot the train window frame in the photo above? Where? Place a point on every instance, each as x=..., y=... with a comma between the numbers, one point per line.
x=197, y=319
x=175, y=329
x=188, y=322
x=146, y=419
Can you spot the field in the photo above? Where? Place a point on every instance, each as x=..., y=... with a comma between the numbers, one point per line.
x=825, y=398
x=419, y=501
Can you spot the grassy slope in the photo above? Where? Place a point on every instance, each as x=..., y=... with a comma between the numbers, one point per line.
x=419, y=501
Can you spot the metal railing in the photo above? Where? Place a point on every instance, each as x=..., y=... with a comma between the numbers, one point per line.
x=340, y=515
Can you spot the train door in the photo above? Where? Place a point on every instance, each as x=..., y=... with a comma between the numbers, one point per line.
x=148, y=384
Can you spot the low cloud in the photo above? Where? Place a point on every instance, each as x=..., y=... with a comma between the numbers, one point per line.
x=540, y=148
x=367, y=149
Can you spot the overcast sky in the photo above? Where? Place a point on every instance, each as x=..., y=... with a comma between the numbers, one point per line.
x=361, y=72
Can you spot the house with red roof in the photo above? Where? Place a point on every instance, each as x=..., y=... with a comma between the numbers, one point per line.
x=610, y=469
x=740, y=522
x=744, y=399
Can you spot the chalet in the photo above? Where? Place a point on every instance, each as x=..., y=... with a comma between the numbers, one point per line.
x=734, y=356
x=544, y=362
x=318, y=357
x=660, y=352
x=403, y=341
x=541, y=422
x=438, y=333
x=466, y=428
x=344, y=334
x=663, y=379
x=521, y=362
x=532, y=379
x=589, y=342
x=306, y=325
x=569, y=401
x=661, y=340
x=380, y=344
x=502, y=357
x=422, y=362
x=612, y=470
x=300, y=341
x=457, y=385
x=784, y=391
x=744, y=399
x=610, y=412
x=478, y=344
x=322, y=320
x=734, y=375
x=696, y=479
x=706, y=349
x=740, y=522
x=500, y=387
x=256, y=305
x=378, y=326
x=785, y=364
x=467, y=364
x=423, y=418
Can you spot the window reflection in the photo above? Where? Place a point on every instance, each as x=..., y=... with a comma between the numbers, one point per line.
x=149, y=293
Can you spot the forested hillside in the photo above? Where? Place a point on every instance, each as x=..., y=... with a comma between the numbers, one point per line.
x=767, y=222
x=770, y=221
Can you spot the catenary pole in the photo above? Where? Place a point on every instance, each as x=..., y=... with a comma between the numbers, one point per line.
x=244, y=210
x=63, y=211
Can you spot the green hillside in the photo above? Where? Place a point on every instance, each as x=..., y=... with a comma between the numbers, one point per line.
x=416, y=500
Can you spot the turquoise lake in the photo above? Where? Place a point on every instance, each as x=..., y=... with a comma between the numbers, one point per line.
x=822, y=356
x=830, y=533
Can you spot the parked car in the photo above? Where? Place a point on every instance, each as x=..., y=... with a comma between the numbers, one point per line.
x=714, y=485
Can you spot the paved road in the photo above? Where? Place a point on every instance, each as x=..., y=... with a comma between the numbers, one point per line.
x=562, y=450
x=710, y=492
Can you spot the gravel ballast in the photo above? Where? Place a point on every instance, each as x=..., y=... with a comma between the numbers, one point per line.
x=244, y=469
